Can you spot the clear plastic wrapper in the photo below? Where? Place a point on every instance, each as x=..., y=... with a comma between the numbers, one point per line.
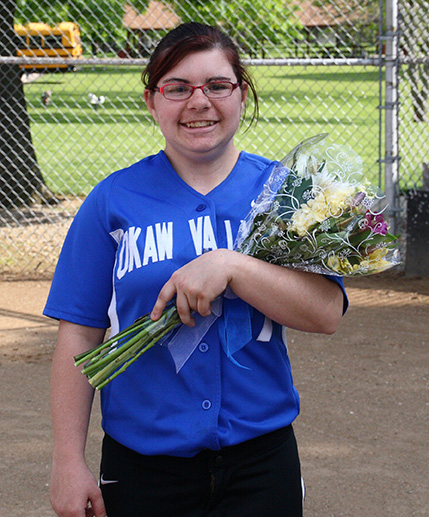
x=318, y=213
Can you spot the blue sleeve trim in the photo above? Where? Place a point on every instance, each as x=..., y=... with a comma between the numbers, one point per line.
x=339, y=281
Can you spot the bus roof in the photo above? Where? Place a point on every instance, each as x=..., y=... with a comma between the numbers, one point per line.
x=43, y=28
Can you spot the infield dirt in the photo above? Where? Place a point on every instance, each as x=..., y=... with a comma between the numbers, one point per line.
x=363, y=428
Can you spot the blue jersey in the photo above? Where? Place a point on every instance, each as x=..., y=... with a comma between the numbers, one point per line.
x=132, y=232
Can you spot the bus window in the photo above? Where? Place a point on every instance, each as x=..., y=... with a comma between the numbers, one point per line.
x=35, y=41
x=21, y=41
x=53, y=41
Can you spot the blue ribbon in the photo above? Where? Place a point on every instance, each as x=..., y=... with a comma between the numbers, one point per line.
x=235, y=330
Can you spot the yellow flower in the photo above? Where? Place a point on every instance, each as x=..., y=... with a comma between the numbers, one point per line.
x=378, y=254
x=346, y=266
x=338, y=199
x=376, y=260
x=329, y=202
x=334, y=263
x=373, y=263
x=339, y=264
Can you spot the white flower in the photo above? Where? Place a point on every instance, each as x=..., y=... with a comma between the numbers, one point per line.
x=301, y=165
x=325, y=225
x=308, y=194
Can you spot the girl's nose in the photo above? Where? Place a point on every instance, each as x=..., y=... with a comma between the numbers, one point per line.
x=198, y=99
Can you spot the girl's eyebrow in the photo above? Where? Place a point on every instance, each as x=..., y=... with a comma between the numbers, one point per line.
x=185, y=81
x=175, y=80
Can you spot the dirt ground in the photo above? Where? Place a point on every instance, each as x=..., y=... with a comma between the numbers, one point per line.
x=362, y=432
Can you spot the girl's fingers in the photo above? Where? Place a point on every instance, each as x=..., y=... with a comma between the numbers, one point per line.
x=204, y=307
x=195, y=286
x=184, y=309
x=166, y=294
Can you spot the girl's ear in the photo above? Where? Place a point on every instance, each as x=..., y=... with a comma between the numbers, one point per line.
x=149, y=100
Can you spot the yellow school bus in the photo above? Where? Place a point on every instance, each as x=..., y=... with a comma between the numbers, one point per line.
x=42, y=40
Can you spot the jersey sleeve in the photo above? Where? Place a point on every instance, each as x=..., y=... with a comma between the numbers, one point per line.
x=339, y=280
x=81, y=289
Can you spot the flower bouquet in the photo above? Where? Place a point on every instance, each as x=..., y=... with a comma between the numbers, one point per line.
x=316, y=213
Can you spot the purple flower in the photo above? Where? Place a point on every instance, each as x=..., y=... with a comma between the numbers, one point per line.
x=358, y=198
x=376, y=223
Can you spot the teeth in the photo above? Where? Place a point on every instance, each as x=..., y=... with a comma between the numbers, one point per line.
x=202, y=123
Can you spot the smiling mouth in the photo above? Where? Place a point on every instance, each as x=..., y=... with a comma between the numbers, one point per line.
x=201, y=123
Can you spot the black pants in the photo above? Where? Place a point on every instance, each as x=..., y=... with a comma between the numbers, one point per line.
x=258, y=478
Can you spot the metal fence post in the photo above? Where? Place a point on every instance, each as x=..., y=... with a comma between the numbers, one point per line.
x=391, y=157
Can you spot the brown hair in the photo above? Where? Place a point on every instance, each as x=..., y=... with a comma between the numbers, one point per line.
x=195, y=37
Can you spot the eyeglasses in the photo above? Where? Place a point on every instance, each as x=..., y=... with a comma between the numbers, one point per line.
x=181, y=92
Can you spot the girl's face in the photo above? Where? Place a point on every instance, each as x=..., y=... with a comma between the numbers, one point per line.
x=198, y=128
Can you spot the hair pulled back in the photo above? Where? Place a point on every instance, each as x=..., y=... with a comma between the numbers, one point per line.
x=195, y=37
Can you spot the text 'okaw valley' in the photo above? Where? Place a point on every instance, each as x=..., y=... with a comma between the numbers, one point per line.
x=138, y=248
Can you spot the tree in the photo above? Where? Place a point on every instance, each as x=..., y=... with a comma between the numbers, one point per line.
x=255, y=25
x=20, y=176
x=21, y=180
x=99, y=20
x=415, y=46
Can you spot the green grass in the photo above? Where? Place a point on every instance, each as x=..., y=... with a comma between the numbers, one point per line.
x=77, y=145
x=298, y=102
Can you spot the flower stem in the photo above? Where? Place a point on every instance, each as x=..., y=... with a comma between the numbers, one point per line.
x=108, y=360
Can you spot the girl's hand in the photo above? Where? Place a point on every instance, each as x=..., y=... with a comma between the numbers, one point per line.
x=196, y=285
x=296, y=299
x=74, y=492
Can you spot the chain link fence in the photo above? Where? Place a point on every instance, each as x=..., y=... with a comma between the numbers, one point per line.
x=72, y=107
x=413, y=41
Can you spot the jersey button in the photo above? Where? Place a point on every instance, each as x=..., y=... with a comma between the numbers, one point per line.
x=201, y=207
x=203, y=347
x=206, y=404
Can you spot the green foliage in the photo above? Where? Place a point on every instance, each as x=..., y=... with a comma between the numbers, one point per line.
x=253, y=24
x=97, y=19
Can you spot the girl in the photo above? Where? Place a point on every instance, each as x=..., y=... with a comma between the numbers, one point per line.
x=215, y=439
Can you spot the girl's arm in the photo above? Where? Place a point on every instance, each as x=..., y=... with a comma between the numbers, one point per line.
x=73, y=488
x=296, y=299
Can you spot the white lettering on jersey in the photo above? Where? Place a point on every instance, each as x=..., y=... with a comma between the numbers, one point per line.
x=158, y=246
x=209, y=241
x=150, y=250
x=229, y=239
x=123, y=257
x=164, y=240
x=202, y=234
x=117, y=234
x=158, y=243
x=197, y=234
x=134, y=255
